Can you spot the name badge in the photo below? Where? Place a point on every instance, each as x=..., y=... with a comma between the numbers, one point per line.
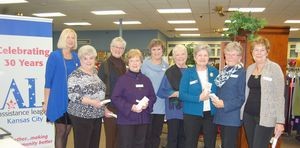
x=193, y=82
x=139, y=85
x=234, y=76
x=267, y=78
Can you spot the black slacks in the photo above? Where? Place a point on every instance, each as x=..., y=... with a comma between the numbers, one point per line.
x=175, y=133
x=86, y=132
x=132, y=136
x=192, y=127
x=154, y=131
x=229, y=136
x=257, y=136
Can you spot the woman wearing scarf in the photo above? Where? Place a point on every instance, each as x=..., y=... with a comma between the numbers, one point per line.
x=110, y=71
x=230, y=95
x=169, y=90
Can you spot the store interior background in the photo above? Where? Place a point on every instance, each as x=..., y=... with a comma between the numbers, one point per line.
x=154, y=25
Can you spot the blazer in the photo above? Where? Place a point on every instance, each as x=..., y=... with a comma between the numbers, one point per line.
x=272, y=94
x=56, y=81
x=233, y=95
x=190, y=89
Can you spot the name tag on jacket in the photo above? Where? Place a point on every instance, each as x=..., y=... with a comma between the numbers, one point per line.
x=234, y=76
x=267, y=78
x=193, y=82
x=139, y=85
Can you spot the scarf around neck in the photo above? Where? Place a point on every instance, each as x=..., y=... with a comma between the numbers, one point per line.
x=226, y=73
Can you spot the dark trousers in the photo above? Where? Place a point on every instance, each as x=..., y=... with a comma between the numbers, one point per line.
x=175, y=133
x=86, y=132
x=229, y=136
x=154, y=131
x=192, y=127
x=132, y=136
x=111, y=130
x=257, y=136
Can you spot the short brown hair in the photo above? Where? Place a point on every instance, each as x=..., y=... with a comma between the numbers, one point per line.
x=134, y=53
x=156, y=42
x=261, y=41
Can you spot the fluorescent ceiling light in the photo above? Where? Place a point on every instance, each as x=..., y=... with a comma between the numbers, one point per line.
x=182, y=22
x=247, y=9
x=174, y=10
x=108, y=12
x=12, y=1
x=128, y=22
x=294, y=29
x=50, y=14
x=186, y=29
x=292, y=21
x=193, y=35
x=78, y=24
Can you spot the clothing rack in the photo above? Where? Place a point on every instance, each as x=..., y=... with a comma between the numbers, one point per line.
x=292, y=74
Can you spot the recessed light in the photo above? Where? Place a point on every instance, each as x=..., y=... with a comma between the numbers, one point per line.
x=108, y=12
x=128, y=22
x=182, y=22
x=247, y=9
x=12, y=1
x=186, y=29
x=292, y=21
x=78, y=24
x=191, y=35
x=174, y=10
x=49, y=14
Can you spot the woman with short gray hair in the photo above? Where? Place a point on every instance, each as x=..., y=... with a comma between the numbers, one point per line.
x=198, y=111
x=86, y=92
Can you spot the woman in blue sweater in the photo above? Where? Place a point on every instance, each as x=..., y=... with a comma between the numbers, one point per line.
x=198, y=111
x=154, y=68
x=60, y=64
x=231, y=95
x=169, y=90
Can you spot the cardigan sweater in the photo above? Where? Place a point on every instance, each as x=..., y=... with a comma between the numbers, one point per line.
x=232, y=92
x=130, y=88
x=56, y=81
x=272, y=94
x=190, y=89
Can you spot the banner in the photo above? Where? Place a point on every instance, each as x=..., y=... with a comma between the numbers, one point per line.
x=25, y=44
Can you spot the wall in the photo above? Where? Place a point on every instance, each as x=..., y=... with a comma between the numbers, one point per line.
x=101, y=39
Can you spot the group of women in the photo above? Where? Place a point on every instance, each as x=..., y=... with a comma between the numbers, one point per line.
x=134, y=103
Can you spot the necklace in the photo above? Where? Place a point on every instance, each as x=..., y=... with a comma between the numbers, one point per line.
x=257, y=72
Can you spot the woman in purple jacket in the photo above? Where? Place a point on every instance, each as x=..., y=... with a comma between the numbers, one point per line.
x=133, y=96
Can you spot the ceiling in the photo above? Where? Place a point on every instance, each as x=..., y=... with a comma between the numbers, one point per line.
x=207, y=20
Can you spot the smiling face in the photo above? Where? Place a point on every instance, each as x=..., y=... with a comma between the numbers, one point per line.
x=87, y=61
x=232, y=57
x=156, y=52
x=70, y=40
x=259, y=53
x=135, y=64
x=201, y=58
x=117, y=49
x=180, y=57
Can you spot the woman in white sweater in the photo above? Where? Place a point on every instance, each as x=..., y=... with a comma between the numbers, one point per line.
x=263, y=110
